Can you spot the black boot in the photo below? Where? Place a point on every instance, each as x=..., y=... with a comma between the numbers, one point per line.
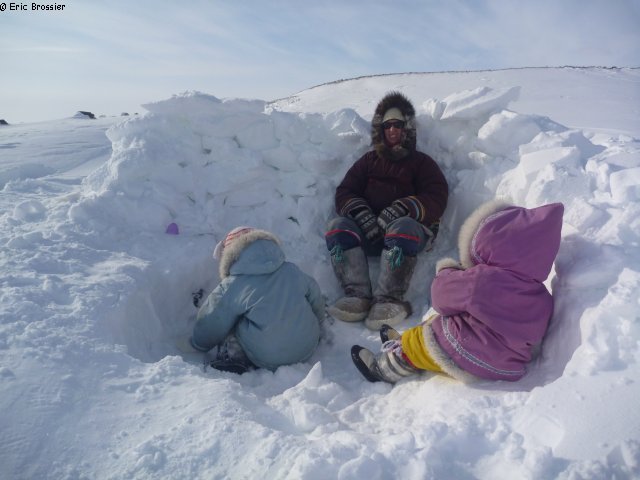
x=389, y=366
x=230, y=357
x=230, y=365
x=387, y=333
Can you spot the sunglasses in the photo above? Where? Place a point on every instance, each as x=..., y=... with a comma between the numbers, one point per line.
x=393, y=123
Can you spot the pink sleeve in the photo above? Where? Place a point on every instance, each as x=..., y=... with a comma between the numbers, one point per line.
x=452, y=289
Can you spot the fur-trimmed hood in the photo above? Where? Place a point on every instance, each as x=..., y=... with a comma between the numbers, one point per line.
x=254, y=253
x=408, y=145
x=471, y=226
x=515, y=238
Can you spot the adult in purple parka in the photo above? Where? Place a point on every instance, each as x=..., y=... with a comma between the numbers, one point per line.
x=492, y=307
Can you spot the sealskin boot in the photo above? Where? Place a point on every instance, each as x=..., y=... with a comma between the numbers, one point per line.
x=389, y=306
x=352, y=270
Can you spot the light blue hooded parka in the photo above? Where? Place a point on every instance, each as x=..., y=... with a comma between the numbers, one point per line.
x=271, y=306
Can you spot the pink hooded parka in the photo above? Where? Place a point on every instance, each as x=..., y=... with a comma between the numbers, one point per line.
x=492, y=306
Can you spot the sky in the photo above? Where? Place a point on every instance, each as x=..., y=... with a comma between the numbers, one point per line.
x=112, y=57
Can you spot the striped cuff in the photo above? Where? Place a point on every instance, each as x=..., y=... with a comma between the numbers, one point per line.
x=414, y=207
x=354, y=204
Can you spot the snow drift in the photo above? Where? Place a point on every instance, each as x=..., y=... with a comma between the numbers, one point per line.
x=95, y=293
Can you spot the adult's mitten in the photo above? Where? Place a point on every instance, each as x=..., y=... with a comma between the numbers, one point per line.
x=391, y=213
x=366, y=220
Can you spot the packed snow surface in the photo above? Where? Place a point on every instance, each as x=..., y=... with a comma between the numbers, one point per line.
x=94, y=292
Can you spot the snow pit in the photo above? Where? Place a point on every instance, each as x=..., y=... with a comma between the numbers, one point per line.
x=209, y=165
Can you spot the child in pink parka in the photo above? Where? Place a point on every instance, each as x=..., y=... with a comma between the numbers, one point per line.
x=492, y=307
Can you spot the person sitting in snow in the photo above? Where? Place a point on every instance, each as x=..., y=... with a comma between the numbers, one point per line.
x=265, y=312
x=389, y=204
x=492, y=307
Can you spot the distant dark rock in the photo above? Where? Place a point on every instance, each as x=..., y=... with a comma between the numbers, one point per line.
x=3, y=122
x=124, y=114
x=82, y=114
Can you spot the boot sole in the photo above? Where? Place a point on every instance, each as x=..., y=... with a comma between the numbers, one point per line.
x=229, y=366
x=376, y=325
x=346, y=316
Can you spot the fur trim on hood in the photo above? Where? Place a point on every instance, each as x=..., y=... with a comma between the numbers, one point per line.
x=471, y=225
x=518, y=239
x=232, y=252
x=408, y=145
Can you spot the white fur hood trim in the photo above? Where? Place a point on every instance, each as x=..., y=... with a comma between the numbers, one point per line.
x=471, y=226
x=231, y=253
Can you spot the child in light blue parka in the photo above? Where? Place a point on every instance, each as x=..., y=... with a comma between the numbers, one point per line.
x=265, y=309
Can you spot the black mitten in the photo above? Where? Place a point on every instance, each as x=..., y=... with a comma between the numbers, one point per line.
x=389, y=214
x=366, y=220
x=197, y=296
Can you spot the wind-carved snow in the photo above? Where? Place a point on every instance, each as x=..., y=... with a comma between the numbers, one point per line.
x=97, y=293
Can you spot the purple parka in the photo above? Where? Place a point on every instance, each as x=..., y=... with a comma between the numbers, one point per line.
x=492, y=306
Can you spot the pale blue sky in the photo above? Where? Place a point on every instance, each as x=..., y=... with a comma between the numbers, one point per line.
x=112, y=56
